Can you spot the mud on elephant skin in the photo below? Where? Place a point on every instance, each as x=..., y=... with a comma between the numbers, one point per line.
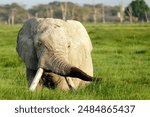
x=57, y=52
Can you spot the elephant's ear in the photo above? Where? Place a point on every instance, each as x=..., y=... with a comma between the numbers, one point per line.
x=80, y=47
x=25, y=47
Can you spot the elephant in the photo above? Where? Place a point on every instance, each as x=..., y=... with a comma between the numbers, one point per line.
x=59, y=49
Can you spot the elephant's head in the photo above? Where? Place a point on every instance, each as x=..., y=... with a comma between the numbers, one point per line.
x=44, y=44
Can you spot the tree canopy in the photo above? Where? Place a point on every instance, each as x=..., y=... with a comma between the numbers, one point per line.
x=138, y=8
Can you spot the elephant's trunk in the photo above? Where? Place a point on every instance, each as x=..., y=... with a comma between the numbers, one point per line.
x=76, y=72
x=61, y=67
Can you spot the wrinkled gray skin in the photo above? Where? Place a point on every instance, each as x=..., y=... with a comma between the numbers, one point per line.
x=61, y=48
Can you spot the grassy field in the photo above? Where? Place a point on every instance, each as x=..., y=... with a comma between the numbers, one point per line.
x=121, y=55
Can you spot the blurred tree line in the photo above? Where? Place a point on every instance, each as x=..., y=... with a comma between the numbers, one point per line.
x=137, y=10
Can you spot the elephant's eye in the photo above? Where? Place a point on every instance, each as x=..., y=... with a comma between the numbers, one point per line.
x=68, y=46
x=39, y=43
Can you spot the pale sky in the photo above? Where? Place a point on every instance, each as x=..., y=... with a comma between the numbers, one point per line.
x=30, y=3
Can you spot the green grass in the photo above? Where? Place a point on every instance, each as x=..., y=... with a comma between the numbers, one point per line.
x=121, y=55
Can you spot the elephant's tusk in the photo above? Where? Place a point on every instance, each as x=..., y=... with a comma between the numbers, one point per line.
x=70, y=84
x=36, y=79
